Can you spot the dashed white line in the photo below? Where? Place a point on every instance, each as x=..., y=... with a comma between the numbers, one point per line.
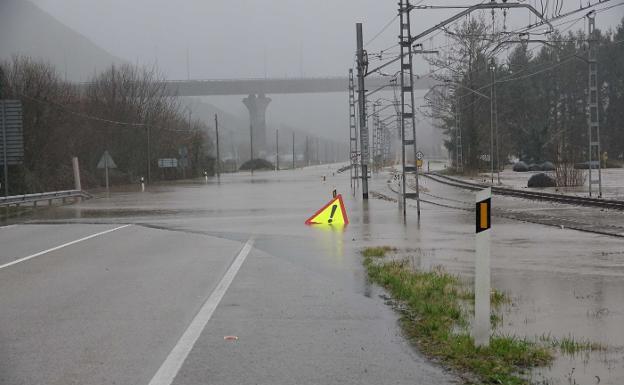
x=61, y=246
x=170, y=368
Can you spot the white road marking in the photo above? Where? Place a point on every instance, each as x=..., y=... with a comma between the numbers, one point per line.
x=61, y=246
x=170, y=368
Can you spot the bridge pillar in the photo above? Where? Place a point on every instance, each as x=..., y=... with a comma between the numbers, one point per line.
x=257, y=105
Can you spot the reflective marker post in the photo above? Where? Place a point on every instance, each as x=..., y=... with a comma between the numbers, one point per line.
x=481, y=327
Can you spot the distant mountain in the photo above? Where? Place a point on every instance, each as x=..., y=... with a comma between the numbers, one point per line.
x=27, y=30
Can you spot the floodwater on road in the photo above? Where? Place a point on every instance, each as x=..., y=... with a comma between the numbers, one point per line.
x=563, y=283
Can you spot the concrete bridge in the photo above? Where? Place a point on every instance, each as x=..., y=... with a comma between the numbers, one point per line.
x=276, y=86
x=255, y=91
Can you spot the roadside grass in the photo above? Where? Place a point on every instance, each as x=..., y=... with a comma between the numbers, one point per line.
x=377, y=251
x=571, y=346
x=7, y=212
x=434, y=319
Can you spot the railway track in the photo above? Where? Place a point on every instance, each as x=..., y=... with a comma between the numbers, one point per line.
x=535, y=195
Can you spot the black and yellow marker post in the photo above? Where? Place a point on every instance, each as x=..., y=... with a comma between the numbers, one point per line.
x=481, y=327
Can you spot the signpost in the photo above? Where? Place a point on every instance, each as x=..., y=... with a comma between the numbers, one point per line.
x=167, y=163
x=481, y=329
x=419, y=160
x=106, y=162
x=11, y=141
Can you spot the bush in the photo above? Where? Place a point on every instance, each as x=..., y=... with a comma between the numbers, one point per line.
x=257, y=164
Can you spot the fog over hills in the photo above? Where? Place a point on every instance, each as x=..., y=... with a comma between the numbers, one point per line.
x=35, y=33
x=39, y=35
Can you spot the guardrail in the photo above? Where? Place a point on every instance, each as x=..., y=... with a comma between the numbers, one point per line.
x=18, y=200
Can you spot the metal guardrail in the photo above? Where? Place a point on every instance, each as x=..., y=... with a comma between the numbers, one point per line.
x=39, y=197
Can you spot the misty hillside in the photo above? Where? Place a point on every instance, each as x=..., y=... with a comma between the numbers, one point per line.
x=44, y=37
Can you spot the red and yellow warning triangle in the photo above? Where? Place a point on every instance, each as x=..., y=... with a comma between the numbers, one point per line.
x=333, y=213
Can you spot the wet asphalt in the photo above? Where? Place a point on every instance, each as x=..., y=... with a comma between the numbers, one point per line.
x=109, y=309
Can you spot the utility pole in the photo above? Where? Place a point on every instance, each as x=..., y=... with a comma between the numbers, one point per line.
x=459, y=162
x=149, y=167
x=408, y=137
x=493, y=70
x=293, y=154
x=362, y=65
x=217, y=138
x=277, y=149
x=593, y=121
x=251, y=148
x=5, y=161
x=307, y=153
x=353, y=132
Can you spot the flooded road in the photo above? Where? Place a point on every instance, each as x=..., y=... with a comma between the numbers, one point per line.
x=217, y=282
x=564, y=284
x=300, y=305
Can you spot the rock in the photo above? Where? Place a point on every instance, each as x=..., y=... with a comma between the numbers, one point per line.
x=258, y=164
x=548, y=166
x=541, y=180
x=520, y=167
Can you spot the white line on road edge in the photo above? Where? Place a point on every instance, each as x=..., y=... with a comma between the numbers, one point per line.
x=169, y=369
x=61, y=246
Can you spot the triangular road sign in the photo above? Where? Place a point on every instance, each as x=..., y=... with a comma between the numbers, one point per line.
x=333, y=213
x=106, y=161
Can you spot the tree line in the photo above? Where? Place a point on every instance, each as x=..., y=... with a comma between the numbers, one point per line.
x=540, y=96
x=122, y=110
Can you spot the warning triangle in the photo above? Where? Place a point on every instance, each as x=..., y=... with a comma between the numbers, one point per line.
x=333, y=213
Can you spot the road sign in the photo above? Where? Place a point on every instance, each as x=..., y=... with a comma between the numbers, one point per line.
x=481, y=327
x=168, y=163
x=419, y=163
x=11, y=132
x=11, y=137
x=420, y=155
x=333, y=213
x=106, y=161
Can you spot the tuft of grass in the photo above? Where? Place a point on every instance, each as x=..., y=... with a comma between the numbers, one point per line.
x=571, y=346
x=377, y=251
x=433, y=318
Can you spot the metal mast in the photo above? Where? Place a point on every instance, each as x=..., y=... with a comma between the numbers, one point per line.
x=592, y=101
x=408, y=119
x=459, y=154
x=362, y=66
x=353, y=131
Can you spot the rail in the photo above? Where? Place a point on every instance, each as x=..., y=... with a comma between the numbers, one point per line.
x=535, y=195
x=39, y=197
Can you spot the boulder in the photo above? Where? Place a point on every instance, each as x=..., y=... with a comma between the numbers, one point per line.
x=520, y=167
x=548, y=166
x=541, y=180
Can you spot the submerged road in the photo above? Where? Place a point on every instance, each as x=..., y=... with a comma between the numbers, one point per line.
x=222, y=283
x=217, y=283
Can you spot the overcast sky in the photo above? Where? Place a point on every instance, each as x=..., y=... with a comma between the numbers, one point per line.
x=231, y=39
x=235, y=38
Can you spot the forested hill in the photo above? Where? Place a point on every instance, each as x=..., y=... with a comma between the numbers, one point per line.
x=37, y=34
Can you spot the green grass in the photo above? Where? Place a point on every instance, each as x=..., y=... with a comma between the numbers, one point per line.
x=435, y=320
x=571, y=346
x=377, y=251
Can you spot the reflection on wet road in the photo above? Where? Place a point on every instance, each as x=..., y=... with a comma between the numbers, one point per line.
x=112, y=308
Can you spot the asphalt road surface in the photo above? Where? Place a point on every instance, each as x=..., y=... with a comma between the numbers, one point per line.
x=202, y=283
